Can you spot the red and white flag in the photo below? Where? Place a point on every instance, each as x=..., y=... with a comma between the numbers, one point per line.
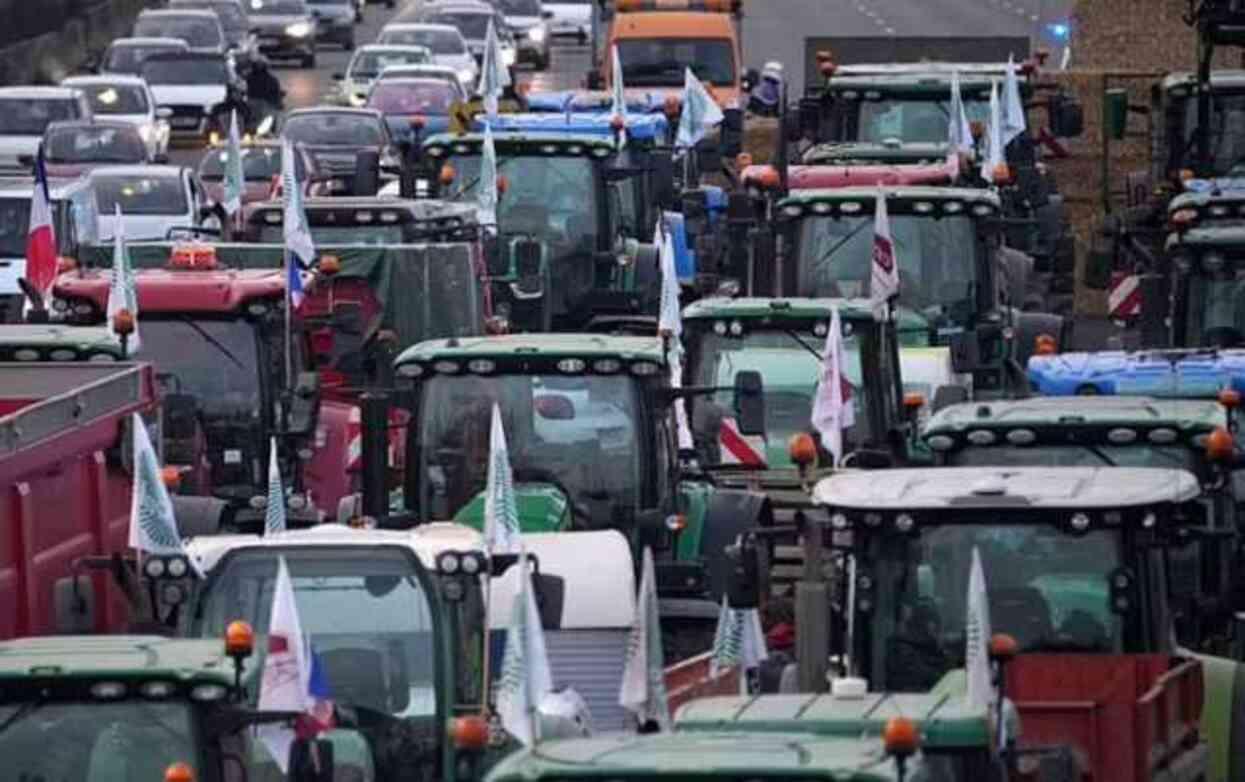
x=41, y=239
x=884, y=281
x=833, y=409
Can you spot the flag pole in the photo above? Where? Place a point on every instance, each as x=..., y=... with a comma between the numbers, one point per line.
x=486, y=663
x=289, y=319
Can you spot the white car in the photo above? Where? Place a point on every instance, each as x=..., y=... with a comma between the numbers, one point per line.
x=528, y=22
x=26, y=112
x=154, y=200
x=571, y=17
x=74, y=221
x=128, y=99
x=446, y=43
x=195, y=88
x=368, y=62
x=472, y=19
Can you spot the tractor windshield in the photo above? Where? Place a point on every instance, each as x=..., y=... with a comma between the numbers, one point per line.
x=1046, y=588
x=1227, y=134
x=365, y=611
x=937, y=260
x=1216, y=308
x=98, y=740
x=579, y=433
x=216, y=361
x=913, y=120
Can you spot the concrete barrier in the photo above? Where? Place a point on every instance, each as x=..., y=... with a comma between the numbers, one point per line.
x=48, y=58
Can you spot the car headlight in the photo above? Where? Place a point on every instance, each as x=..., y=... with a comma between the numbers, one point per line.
x=146, y=131
x=537, y=34
x=507, y=56
x=299, y=30
x=466, y=75
x=358, y=99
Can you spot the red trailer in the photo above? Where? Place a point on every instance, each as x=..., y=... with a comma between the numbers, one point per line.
x=65, y=455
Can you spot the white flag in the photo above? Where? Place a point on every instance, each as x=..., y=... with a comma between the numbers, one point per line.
x=670, y=325
x=122, y=292
x=526, y=677
x=833, y=407
x=643, y=690
x=486, y=187
x=977, y=638
x=753, y=651
x=285, y=681
x=153, y=527
x=501, y=510
x=994, y=137
x=618, y=103
x=959, y=131
x=494, y=75
x=235, y=181
x=274, y=512
x=296, y=232
x=1014, y=122
x=700, y=112
x=884, y=279
x=727, y=640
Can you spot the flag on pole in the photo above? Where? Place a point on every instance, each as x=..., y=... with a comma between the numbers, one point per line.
x=122, y=292
x=1014, y=122
x=833, y=408
x=235, y=182
x=700, y=112
x=738, y=640
x=884, y=280
x=41, y=238
x=994, y=137
x=486, y=188
x=501, y=511
x=494, y=75
x=643, y=690
x=670, y=326
x=959, y=131
x=526, y=677
x=296, y=232
x=618, y=102
x=153, y=527
x=285, y=682
x=274, y=512
x=981, y=691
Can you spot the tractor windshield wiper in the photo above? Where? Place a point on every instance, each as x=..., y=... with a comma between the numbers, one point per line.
x=214, y=342
x=800, y=341
x=826, y=255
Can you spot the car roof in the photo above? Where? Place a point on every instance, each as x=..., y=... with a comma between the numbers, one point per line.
x=183, y=56
x=145, y=169
x=117, y=79
x=416, y=69
x=201, y=13
x=449, y=28
x=150, y=40
x=458, y=7
x=390, y=47
x=98, y=122
x=48, y=92
x=362, y=111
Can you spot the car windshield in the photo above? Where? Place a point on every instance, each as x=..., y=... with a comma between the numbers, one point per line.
x=409, y=97
x=912, y=120
x=329, y=128
x=14, y=226
x=550, y=198
x=31, y=116
x=129, y=59
x=259, y=164
x=1216, y=307
x=97, y=741
x=280, y=7
x=1227, y=131
x=94, y=145
x=194, y=30
x=116, y=98
x=214, y=361
x=661, y=62
x=519, y=7
x=580, y=430
x=139, y=195
x=325, y=236
x=368, y=65
x=1104, y=455
x=438, y=41
x=936, y=259
x=230, y=14
x=474, y=27
x=197, y=70
x=364, y=610
x=1047, y=589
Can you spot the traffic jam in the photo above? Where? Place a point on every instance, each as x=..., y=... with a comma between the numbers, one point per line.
x=445, y=420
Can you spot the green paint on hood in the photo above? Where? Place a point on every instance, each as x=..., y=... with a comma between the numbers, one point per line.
x=542, y=508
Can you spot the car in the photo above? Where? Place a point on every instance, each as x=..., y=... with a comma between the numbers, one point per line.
x=286, y=30
x=261, y=170
x=232, y=16
x=335, y=20
x=198, y=89
x=155, y=201
x=26, y=112
x=471, y=19
x=571, y=17
x=200, y=29
x=414, y=99
x=368, y=62
x=126, y=55
x=529, y=23
x=334, y=135
x=446, y=43
x=127, y=99
x=440, y=72
x=72, y=148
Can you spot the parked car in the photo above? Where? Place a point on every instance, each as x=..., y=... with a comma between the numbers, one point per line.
x=72, y=148
x=126, y=55
x=402, y=101
x=335, y=20
x=128, y=99
x=286, y=30
x=446, y=43
x=198, y=89
x=154, y=201
x=367, y=63
x=200, y=29
x=26, y=112
x=570, y=17
x=529, y=22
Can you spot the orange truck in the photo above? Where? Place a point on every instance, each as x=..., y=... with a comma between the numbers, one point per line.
x=658, y=39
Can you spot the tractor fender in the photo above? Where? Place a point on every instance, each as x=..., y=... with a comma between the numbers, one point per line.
x=1029, y=325
x=197, y=516
x=729, y=513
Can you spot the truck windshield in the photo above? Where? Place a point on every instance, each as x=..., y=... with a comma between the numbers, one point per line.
x=93, y=741
x=1107, y=455
x=913, y=120
x=1227, y=135
x=937, y=269
x=580, y=431
x=1048, y=590
x=215, y=361
x=553, y=199
x=661, y=62
x=365, y=611
x=1216, y=309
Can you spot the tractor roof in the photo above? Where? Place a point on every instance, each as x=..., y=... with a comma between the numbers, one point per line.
x=545, y=142
x=179, y=290
x=116, y=657
x=872, y=152
x=1079, y=412
x=777, y=308
x=865, y=197
x=536, y=346
x=49, y=342
x=914, y=77
x=1219, y=79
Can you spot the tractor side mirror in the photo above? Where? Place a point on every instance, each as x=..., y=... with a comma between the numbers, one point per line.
x=743, y=585
x=304, y=405
x=1067, y=116
x=750, y=402
x=1114, y=112
x=311, y=760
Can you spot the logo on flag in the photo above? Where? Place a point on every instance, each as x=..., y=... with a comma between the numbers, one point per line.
x=501, y=510
x=274, y=512
x=833, y=410
x=700, y=112
x=122, y=292
x=153, y=527
x=526, y=677
x=486, y=188
x=884, y=279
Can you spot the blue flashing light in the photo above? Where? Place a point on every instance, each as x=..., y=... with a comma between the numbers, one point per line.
x=1059, y=29
x=1179, y=374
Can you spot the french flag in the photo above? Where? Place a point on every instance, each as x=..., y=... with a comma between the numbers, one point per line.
x=41, y=240
x=294, y=280
x=319, y=716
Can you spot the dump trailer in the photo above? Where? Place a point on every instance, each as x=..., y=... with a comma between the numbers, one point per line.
x=65, y=468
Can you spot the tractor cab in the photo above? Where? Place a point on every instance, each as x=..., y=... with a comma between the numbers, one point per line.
x=1205, y=268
